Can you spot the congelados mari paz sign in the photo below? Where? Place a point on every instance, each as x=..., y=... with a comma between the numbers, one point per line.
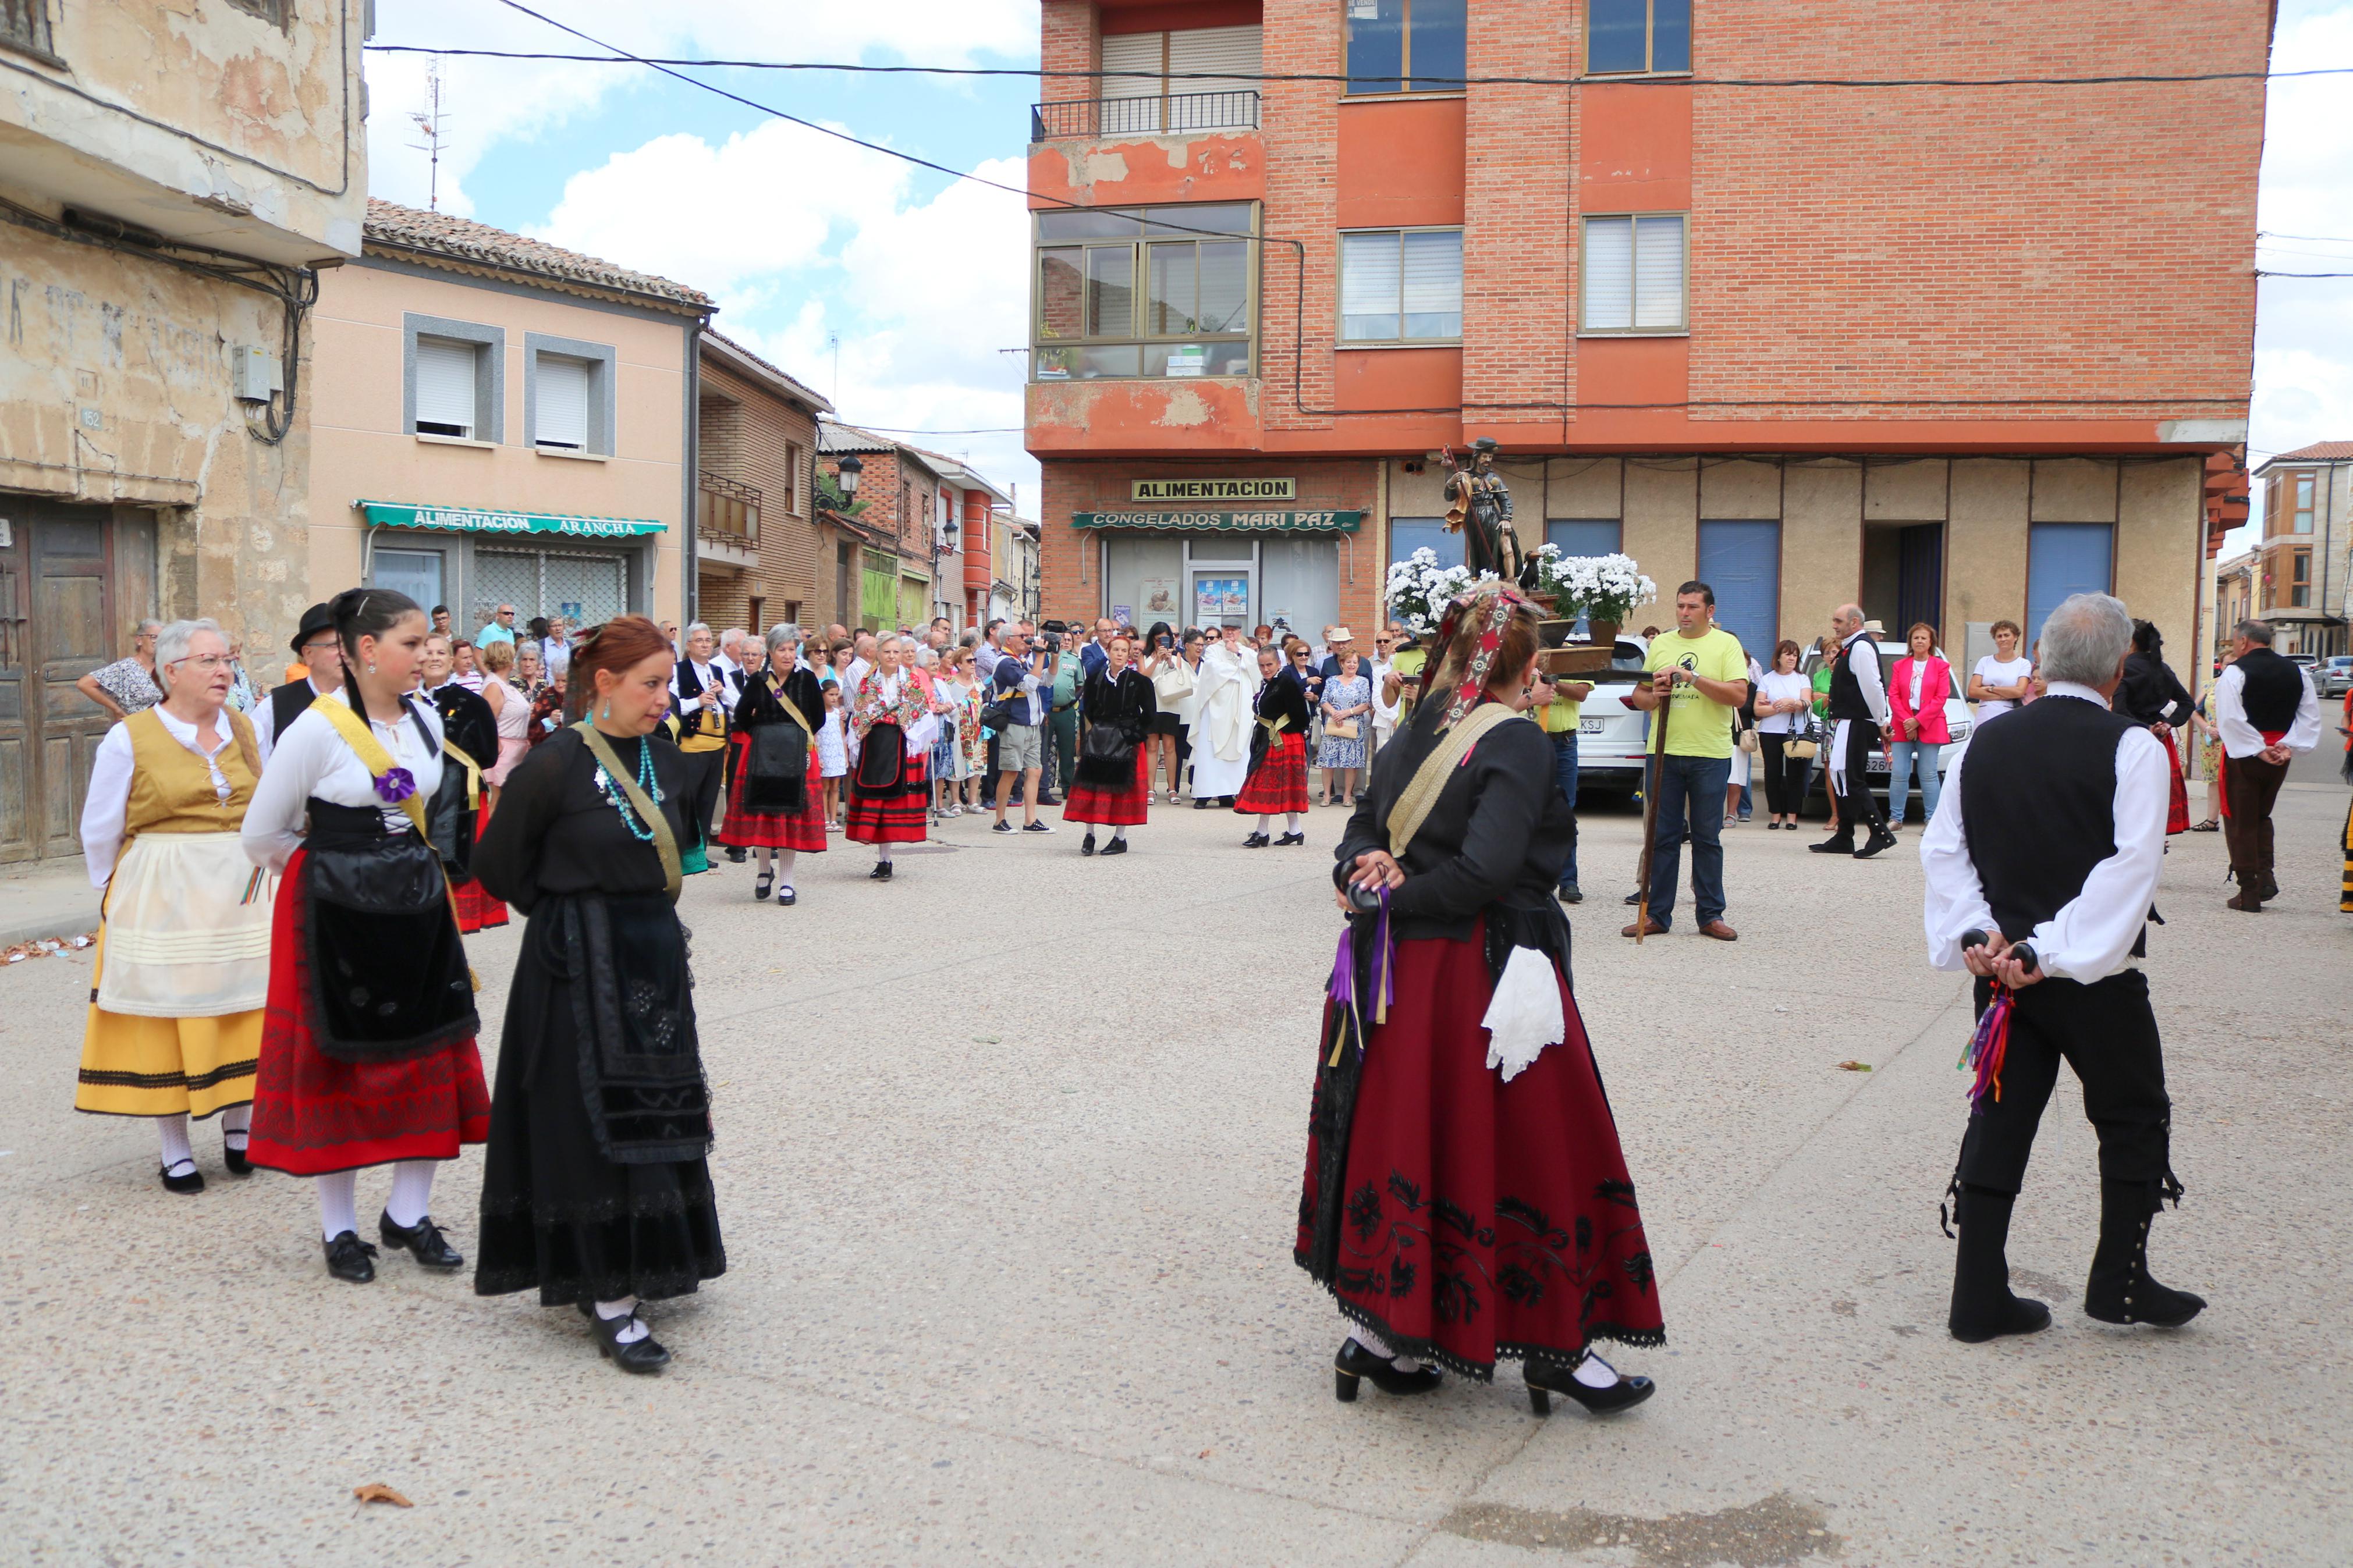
x=1215, y=489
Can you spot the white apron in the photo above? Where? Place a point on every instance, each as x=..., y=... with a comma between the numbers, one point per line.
x=187, y=928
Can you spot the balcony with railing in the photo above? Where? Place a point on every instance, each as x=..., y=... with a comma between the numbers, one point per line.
x=727, y=522
x=1163, y=114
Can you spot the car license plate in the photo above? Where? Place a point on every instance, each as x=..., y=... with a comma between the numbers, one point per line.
x=1875, y=765
x=1589, y=726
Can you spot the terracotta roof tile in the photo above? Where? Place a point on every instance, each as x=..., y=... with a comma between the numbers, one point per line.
x=2319, y=452
x=462, y=239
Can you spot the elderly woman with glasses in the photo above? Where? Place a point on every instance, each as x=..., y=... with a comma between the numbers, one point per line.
x=174, y=1022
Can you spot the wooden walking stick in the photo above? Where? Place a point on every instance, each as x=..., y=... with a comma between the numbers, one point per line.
x=1651, y=811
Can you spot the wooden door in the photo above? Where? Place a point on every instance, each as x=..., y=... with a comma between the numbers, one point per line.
x=19, y=715
x=72, y=633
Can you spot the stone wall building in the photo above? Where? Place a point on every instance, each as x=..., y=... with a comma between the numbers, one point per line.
x=171, y=178
x=763, y=555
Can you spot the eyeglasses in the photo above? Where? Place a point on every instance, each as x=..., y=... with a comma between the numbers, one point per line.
x=319, y=645
x=203, y=663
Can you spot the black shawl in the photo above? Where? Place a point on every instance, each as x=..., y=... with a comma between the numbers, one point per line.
x=468, y=726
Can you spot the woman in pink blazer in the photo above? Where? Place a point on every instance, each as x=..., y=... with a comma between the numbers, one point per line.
x=1916, y=692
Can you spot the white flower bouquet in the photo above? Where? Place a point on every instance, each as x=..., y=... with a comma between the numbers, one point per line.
x=1419, y=589
x=1598, y=587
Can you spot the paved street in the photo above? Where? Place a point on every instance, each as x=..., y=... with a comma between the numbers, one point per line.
x=1009, y=1155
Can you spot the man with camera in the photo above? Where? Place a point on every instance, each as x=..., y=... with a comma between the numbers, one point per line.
x=1015, y=709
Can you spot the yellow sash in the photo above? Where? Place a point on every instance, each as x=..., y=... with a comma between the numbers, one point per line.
x=1413, y=807
x=473, y=772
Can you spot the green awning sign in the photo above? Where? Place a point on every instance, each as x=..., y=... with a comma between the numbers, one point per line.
x=1225, y=521
x=476, y=520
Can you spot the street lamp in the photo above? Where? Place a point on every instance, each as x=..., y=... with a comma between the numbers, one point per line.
x=850, y=468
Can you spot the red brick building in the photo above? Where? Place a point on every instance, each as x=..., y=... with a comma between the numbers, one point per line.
x=1951, y=351
x=764, y=555
x=921, y=510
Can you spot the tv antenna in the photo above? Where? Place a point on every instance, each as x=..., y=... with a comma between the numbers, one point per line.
x=428, y=122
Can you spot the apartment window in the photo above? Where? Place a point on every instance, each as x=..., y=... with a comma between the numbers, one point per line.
x=1634, y=267
x=1196, y=79
x=1624, y=35
x=453, y=379
x=2299, y=595
x=273, y=11
x=568, y=394
x=1405, y=46
x=2305, y=488
x=1144, y=291
x=24, y=27
x=1401, y=286
x=793, y=479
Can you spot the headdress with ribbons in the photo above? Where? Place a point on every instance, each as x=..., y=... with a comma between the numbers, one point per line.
x=1457, y=622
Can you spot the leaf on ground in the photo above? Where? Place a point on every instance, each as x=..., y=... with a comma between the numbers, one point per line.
x=377, y=1491
x=986, y=1039
x=1854, y=1066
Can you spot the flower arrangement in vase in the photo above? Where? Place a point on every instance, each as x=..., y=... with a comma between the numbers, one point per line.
x=1419, y=589
x=1601, y=589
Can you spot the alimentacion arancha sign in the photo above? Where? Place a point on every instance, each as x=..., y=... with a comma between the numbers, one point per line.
x=1215, y=489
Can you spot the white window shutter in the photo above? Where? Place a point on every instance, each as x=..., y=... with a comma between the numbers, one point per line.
x=1134, y=64
x=1369, y=286
x=1659, y=271
x=561, y=404
x=1433, y=284
x=1609, y=274
x=445, y=383
x=1232, y=56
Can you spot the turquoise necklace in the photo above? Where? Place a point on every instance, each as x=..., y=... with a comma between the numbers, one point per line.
x=613, y=793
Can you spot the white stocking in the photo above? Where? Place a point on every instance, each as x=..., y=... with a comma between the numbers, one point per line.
x=1595, y=1372
x=338, y=1202
x=1119, y=835
x=625, y=1307
x=234, y=1123
x=1380, y=1347
x=173, y=1130
x=1263, y=821
x=411, y=1192
x=1291, y=822
x=784, y=867
x=882, y=853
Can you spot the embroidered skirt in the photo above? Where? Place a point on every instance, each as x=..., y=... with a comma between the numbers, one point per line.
x=1121, y=807
x=2176, y=803
x=313, y=1114
x=1482, y=1221
x=747, y=829
x=1278, y=782
x=477, y=911
x=894, y=813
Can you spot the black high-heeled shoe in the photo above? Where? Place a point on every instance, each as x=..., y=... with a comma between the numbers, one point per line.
x=1355, y=1363
x=1624, y=1394
x=1290, y=838
x=1256, y=841
x=642, y=1355
x=422, y=1241
x=765, y=885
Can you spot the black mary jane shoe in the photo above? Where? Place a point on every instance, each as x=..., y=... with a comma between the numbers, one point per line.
x=1290, y=838
x=642, y=1355
x=1624, y=1394
x=1087, y=845
x=788, y=897
x=881, y=872
x=193, y=1182
x=1356, y=1364
x=1257, y=841
x=1117, y=847
x=235, y=1159
x=423, y=1241
x=765, y=885
x=349, y=1258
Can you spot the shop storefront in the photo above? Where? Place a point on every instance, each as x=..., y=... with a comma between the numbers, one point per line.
x=586, y=569
x=1247, y=568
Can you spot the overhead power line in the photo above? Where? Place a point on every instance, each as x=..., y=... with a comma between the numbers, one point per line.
x=2118, y=79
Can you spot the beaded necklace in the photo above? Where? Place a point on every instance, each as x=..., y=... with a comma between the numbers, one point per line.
x=638, y=830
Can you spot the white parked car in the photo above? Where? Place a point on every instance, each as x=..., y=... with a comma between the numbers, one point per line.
x=1956, y=720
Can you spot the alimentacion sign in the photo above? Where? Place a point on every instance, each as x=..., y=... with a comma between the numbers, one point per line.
x=1215, y=489
x=476, y=519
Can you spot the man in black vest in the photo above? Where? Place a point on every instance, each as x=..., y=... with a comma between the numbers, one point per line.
x=1858, y=715
x=2050, y=837
x=2266, y=711
x=314, y=645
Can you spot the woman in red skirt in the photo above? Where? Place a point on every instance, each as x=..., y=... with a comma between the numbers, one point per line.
x=774, y=801
x=2152, y=694
x=890, y=799
x=1278, y=774
x=1114, y=774
x=1466, y=1200
x=367, y=1040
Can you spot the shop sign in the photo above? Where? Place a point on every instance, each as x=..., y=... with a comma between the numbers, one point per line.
x=1215, y=489
x=476, y=520
x=1225, y=521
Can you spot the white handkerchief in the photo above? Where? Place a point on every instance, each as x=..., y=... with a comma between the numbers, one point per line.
x=1525, y=1016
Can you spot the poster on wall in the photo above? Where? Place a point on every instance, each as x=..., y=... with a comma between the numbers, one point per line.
x=1217, y=597
x=1159, y=595
x=1123, y=615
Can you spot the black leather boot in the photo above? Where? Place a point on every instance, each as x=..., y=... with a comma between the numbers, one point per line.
x=1983, y=1307
x=2120, y=1289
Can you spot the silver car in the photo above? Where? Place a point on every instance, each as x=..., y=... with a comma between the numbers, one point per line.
x=2335, y=676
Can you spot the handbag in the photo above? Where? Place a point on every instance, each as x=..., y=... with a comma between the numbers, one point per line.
x=1804, y=742
x=1340, y=730
x=1106, y=756
x=1174, y=684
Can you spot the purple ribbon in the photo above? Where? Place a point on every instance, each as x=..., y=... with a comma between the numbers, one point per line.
x=1343, y=989
x=396, y=786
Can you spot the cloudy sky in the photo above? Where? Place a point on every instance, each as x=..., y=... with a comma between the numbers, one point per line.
x=803, y=238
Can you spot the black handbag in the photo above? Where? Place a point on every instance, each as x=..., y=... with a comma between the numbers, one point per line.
x=1107, y=756
x=777, y=782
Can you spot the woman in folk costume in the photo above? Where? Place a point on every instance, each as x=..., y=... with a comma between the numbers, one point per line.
x=891, y=725
x=1114, y=774
x=595, y=1189
x=1278, y=775
x=2152, y=696
x=777, y=804
x=367, y=1053
x=456, y=811
x=1466, y=1200
x=182, y=965
x=1226, y=685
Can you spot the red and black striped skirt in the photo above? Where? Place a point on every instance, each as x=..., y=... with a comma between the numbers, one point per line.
x=1122, y=807
x=892, y=814
x=747, y=829
x=477, y=911
x=1278, y=782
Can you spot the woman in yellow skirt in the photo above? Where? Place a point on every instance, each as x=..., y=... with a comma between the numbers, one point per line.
x=174, y=1024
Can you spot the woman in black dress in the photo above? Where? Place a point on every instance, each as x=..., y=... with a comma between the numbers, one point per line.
x=595, y=1189
x=1115, y=777
x=776, y=802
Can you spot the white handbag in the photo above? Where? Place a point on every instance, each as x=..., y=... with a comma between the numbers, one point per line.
x=1174, y=684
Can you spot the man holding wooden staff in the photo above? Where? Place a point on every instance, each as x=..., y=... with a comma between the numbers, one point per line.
x=1699, y=674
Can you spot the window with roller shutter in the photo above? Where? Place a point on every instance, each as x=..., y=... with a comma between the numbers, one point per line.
x=1633, y=272
x=447, y=387
x=562, y=404
x=1194, y=79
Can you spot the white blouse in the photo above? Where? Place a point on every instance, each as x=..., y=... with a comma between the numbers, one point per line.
x=312, y=759
x=1779, y=687
x=107, y=807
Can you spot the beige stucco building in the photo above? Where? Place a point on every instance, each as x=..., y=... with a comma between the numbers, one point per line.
x=500, y=421
x=171, y=178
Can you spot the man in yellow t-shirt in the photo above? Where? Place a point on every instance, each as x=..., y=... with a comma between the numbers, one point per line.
x=1700, y=672
x=1558, y=707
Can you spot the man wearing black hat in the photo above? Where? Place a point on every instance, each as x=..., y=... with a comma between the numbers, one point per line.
x=314, y=645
